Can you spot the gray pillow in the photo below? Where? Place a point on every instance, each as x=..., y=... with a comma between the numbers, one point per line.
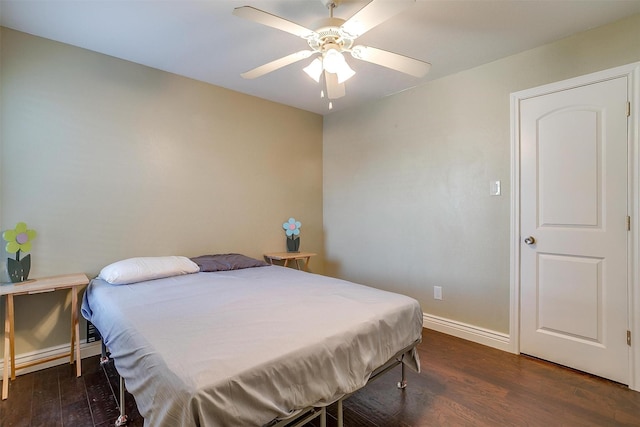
x=225, y=262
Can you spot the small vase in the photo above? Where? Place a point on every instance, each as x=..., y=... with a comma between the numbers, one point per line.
x=18, y=269
x=293, y=244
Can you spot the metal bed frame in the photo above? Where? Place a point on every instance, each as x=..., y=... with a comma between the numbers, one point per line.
x=299, y=419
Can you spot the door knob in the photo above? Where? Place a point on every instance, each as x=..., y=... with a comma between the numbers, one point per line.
x=529, y=240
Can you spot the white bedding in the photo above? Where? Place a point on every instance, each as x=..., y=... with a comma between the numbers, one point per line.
x=244, y=347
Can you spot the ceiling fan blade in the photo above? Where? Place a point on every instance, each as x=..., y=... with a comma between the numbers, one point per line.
x=265, y=18
x=391, y=60
x=373, y=14
x=278, y=63
x=335, y=90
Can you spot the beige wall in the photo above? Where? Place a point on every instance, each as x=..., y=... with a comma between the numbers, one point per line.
x=107, y=159
x=406, y=179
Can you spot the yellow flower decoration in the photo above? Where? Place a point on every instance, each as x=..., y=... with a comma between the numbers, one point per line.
x=19, y=239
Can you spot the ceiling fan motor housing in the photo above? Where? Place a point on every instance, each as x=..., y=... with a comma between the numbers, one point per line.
x=329, y=32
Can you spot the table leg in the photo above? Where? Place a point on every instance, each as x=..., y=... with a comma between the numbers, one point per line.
x=75, y=332
x=286, y=262
x=5, y=369
x=12, y=337
x=306, y=263
x=9, y=350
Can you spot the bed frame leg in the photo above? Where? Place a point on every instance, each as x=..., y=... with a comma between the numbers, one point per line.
x=103, y=357
x=123, y=419
x=340, y=414
x=402, y=384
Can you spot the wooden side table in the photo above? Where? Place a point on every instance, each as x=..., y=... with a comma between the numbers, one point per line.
x=288, y=256
x=72, y=282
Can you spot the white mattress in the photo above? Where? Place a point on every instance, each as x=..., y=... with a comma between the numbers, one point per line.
x=245, y=347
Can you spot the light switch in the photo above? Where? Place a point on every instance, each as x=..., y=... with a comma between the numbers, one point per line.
x=494, y=188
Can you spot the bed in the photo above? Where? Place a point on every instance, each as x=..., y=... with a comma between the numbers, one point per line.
x=249, y=346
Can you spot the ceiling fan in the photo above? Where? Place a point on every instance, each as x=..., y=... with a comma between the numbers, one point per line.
x=333, y=37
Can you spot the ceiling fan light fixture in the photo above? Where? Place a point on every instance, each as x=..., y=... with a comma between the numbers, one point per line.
x=314, y=70
x=333, y=62
x=345, y=73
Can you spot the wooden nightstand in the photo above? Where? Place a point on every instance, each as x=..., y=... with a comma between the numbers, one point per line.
x=72, y=282
x=288, y=256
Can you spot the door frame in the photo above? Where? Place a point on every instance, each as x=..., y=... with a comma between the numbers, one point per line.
x=632, y=72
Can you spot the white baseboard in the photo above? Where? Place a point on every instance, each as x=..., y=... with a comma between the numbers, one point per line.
x=487, y=337
x=86, y=350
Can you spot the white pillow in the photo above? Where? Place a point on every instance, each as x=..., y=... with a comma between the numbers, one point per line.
x=146, y=268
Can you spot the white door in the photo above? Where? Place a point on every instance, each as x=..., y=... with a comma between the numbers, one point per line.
x=573, y=205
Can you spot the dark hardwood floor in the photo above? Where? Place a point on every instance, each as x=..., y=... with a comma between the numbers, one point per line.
x=461, y=384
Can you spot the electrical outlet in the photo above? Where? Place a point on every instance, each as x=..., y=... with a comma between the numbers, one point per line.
x=437, y=292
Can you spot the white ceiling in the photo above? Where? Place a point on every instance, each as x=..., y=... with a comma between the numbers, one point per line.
x=204, y=41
